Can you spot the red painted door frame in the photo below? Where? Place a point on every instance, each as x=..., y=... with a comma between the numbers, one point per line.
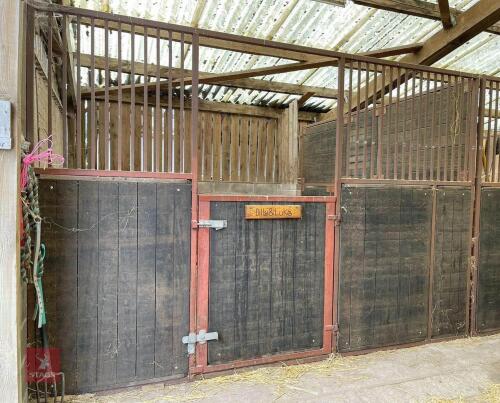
x=200, y=363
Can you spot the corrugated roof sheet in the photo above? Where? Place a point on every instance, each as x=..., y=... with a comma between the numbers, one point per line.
x=350, y=29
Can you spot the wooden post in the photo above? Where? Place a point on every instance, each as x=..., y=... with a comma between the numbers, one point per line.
x=12, y=314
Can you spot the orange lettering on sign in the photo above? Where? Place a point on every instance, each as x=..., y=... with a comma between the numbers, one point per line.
x=272, y=212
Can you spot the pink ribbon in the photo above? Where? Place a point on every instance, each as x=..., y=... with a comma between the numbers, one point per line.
x=36, y=156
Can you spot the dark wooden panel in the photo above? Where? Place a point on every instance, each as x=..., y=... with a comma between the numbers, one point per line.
x=266, y=283
x=59, y=204
x=88, y=278
x=488, y=289
x=128, y=277
x=118, y=264
x=384, y=246
x=146, y=293
x=164, y=279
x=181, y=275
x=107, y=293
x=451, y=259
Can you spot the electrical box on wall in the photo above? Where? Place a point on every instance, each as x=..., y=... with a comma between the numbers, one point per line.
x=5, y=126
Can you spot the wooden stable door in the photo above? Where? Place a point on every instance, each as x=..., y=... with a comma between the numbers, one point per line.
x=265, y=282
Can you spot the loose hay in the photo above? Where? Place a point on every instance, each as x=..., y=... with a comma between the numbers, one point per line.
x=492, y=394
x=279, y=378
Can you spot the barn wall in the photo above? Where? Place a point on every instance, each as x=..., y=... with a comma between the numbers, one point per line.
x=117, y=279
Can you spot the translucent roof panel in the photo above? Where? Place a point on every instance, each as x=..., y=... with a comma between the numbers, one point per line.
x=351, y=29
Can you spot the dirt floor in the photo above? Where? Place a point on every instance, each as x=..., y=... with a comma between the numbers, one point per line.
x=466, y=370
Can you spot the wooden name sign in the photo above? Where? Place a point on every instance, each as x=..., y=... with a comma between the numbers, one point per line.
x=272, y=212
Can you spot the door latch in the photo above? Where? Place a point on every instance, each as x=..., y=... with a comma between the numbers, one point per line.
x=202, y=337
x=215, y=224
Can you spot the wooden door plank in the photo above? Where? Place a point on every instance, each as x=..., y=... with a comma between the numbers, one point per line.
x=146, y=236
x=128, y=278
x=222, y=283
x=181, y=274
x=88, y=263
x=164, y=279
x=107, y=283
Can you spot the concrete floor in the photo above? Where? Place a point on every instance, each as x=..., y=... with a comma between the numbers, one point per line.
x=466, y=370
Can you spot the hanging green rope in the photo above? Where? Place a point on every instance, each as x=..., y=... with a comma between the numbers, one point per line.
x=32, y=255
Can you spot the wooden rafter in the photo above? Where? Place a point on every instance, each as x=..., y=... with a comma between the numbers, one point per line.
x=210, y=106
x=246, y=83
x=394, y=51
x=235, y=75
x=246, y=48
x=418, y=8
x=475, y=20
x=303, y=99
x=209, y=42
x=244, y=78
x=447, y=18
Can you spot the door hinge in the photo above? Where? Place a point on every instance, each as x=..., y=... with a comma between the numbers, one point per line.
x=333, y=328
x=202, y=337
x=215, y=224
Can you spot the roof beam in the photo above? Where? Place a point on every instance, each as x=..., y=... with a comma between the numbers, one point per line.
x=208, y=42
x=470, y=23
x=303, y=99
x=246, y=48
x=246, y=83
x=394, y=51
x=210, y=106
x=418, y=8
x=235, y=75
x=241, y=78
x=447, y=18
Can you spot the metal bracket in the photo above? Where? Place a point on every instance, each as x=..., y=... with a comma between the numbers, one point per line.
x=5, y=126
x=215, y=224
x=202, y=337
x=335, y=218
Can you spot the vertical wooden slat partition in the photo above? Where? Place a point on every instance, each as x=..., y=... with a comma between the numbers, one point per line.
x=109, y=133
x=232, y=147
